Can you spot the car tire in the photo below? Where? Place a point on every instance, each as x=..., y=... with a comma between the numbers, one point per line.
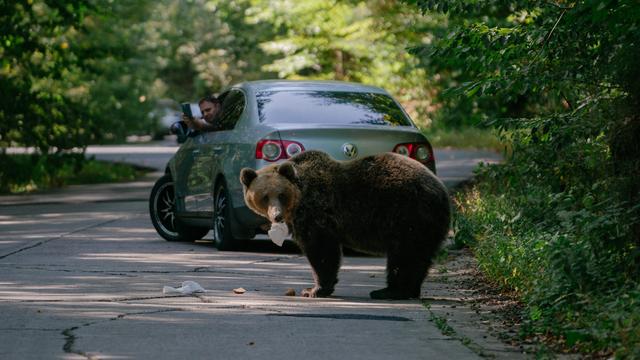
x=162, y=206
x=222, y=235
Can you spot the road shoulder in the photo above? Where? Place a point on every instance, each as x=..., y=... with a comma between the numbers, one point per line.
x=464, y=306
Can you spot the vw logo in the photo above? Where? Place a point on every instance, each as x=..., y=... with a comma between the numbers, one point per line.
x=350, y=150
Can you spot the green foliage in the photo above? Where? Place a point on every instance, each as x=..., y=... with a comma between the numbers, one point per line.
x=34, y=63
x=568, y=253
x=466, y=137
x=517, y=59
x=559, y=221
x=344, y=40
x=27, y=173
x=68, y=69
x=200, y=47
x=85, y=71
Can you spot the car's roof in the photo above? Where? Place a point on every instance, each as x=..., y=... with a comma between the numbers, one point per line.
x=327, y=85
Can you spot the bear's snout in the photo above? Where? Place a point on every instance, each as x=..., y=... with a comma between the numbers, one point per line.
x=275, y=214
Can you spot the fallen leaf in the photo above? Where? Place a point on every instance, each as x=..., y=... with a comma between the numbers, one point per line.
x=239, y=291
x=290, y=292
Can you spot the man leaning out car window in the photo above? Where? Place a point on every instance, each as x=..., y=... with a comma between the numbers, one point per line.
x=210, y=108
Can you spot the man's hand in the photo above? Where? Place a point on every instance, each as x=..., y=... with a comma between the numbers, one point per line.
x=189, y=121
x=195, y=123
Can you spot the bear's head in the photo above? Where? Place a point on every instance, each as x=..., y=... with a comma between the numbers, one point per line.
x=271, y=192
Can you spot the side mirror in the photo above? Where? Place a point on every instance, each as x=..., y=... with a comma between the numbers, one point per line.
x=180, y=129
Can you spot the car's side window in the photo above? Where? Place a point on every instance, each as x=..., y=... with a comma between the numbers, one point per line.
x=233, y=104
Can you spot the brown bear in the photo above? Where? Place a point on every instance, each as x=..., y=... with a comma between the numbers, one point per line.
x=381, y=204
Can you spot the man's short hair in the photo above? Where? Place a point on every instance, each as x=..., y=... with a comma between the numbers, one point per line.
x=209, y=98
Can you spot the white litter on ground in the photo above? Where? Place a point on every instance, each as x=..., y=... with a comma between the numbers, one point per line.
x=188, y=287
x=278, y=233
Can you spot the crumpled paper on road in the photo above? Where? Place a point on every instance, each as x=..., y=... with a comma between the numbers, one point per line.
x=278, y=233
x=188, y=287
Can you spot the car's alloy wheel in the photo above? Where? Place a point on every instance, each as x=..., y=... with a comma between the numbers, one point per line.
x=222, y=219
x=162, y=211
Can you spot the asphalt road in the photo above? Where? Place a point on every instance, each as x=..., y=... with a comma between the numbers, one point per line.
x=83, y=272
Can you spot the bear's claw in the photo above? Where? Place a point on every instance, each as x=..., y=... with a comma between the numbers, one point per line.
x=316, y=292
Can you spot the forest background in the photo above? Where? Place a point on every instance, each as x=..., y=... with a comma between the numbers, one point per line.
x=558, y=81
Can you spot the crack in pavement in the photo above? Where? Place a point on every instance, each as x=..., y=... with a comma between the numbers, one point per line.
x=69, y=346
x=70, y=337
x=42, y=242
x=44, y=268
x=278, y=258
x=203, y=299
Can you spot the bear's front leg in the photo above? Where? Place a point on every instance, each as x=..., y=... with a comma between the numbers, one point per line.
x=324, y=257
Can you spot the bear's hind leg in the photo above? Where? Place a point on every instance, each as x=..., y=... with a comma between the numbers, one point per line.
x=405, y=274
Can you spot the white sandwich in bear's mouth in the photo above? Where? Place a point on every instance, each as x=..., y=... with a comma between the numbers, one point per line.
x=278, y=233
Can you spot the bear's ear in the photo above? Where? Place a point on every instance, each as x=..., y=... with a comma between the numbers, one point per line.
x=247, y=176
x=287, y=170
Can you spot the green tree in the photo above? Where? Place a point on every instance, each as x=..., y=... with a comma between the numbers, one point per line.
x=115, y=78
x=555, y=74
x=202, y=46
x=74, y=72
x=346, y=40
x=38, y=107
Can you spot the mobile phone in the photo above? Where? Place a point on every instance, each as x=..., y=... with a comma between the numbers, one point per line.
x=186, y=109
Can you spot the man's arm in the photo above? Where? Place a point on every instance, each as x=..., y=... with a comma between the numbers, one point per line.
x=198, y=124
x=202, y=125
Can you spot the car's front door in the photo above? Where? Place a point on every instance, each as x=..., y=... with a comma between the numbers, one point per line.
x=189, y=173
x=209, y=152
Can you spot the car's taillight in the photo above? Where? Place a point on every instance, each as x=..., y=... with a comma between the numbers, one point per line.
x=418, y=151
x=274, y=150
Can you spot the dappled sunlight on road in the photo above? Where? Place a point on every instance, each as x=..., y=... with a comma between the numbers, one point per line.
x=363, y=268
x=189, y=259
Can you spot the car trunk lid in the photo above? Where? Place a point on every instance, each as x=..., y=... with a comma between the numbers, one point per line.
x=345, y=143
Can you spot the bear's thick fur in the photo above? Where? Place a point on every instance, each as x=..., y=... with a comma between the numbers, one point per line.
x=381, y=204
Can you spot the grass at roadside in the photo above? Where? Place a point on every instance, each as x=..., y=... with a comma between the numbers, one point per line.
x=464, y=138
x=29, y=173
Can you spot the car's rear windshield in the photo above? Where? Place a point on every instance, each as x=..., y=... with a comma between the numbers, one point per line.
x=329, y=107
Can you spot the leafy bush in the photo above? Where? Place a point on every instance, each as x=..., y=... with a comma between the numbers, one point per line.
x=559, y=221
x=568, y=252
x=465, y=137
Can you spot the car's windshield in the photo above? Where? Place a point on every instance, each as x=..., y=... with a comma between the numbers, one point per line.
x=329, y=107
